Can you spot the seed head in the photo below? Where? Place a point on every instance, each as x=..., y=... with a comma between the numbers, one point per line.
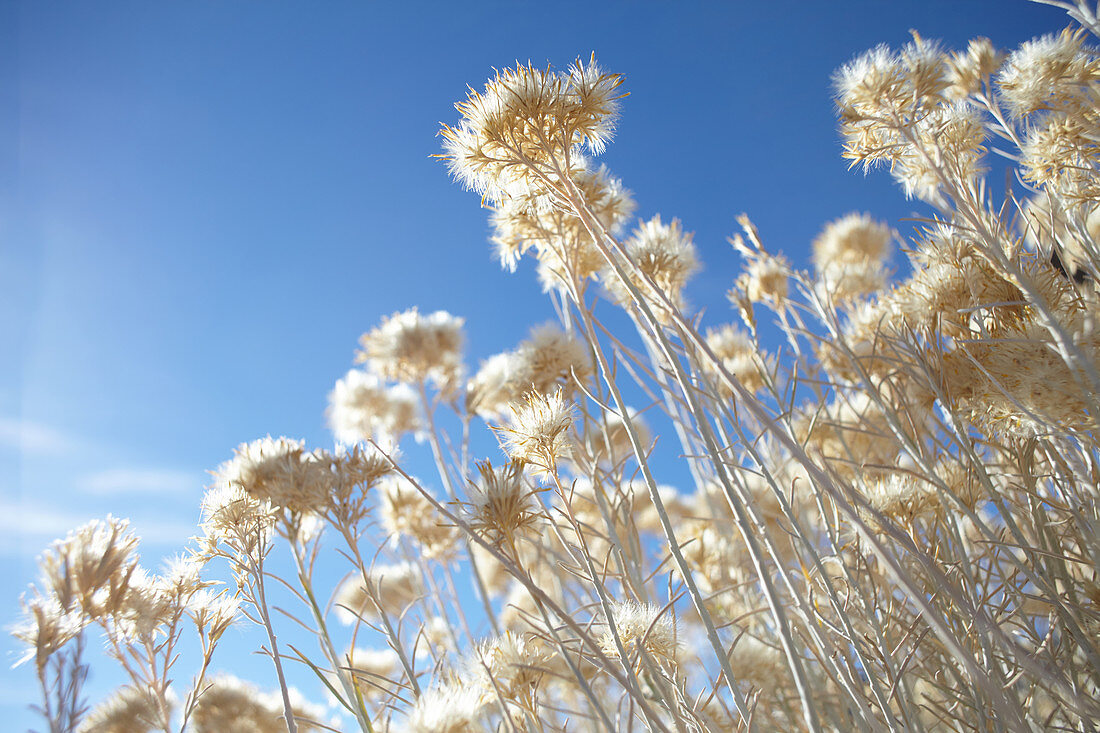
x=46, y=627
x=231, y=705
x=453, y=708
x=524, y=121
x=361, y=407
x=549, y=359
x=412, y=348
x=539, y=431
x=1048, y=72
x=407, y=511
x=127, y=710
x=664, y=254
x=739, y=357
x=91, y=568
x=642, y=628
x=968, y=71
x=511, y=664
x=502, y=506
x=388, y=589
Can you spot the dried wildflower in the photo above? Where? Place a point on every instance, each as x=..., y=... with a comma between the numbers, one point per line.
x=361, y=407
x=412, y=348
x=391, y=589
x=565, y=249
x=894, y=111
x=554, y=358
x=231, y=705
x=511, y=665
x=952, y=285
x=642, y=628
x=128, y=710
x=739, y=356
x=609, y=513
x=213, y=613
x=948, y=145
x=1047, y=72
x=849, y=254
x=407, y=511
x=521, y=611
x=905, y=495
x=46, y=627
x=376, y=671
x=716, y=557
x=851, y=432
x=764, y=279
x=496, y=384
x=852, y=238
x=613, y=444
x=866, y=343
x=502, y=505
x=646, y=518
x=231, y=514
x=437, y=631
x=278, y=471
x=91, y=568
x=1062, y=154
x=881, y=84
x=146, y=609
x=450, y=709
x=350, y=475
x=1016, y=383
x=528, y=119
x=760, y=663
x=1067, y=236
x=967, y=72
x=663, y=254
x=494, y=575
x=539, y=431
x=547, y=360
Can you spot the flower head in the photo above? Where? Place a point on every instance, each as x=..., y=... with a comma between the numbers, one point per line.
x=91, y=568
x=231, y=705
x=562, y=243
x=449, y=709
x=279, y=471
x=643, y=629
x=388, y=589
x=525, y=120
x=547, y=360
x=849, y=255
x=361, y=407
x=539, y=431
x=128, y=709
x=502, y=506
x=738, y=355
x=663, y=254
x=412, y=348
x=511, y=664
x=968, y=71
x=1048, y=72
x=46, y=627
x=407, y=511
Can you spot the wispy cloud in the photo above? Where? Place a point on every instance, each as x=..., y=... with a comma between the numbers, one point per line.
x=26, y=529
x=28, y=436
x=140, y=480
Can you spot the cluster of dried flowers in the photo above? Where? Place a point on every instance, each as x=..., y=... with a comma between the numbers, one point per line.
x=895, y=525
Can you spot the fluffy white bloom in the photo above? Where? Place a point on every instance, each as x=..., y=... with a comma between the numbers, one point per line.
x=641, y=626
x=412, y=348
x=362, y=407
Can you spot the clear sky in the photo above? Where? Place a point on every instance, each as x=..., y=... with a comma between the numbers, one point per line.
x=203, y=204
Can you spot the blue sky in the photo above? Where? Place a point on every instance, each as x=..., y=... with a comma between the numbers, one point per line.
x=203, y=204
